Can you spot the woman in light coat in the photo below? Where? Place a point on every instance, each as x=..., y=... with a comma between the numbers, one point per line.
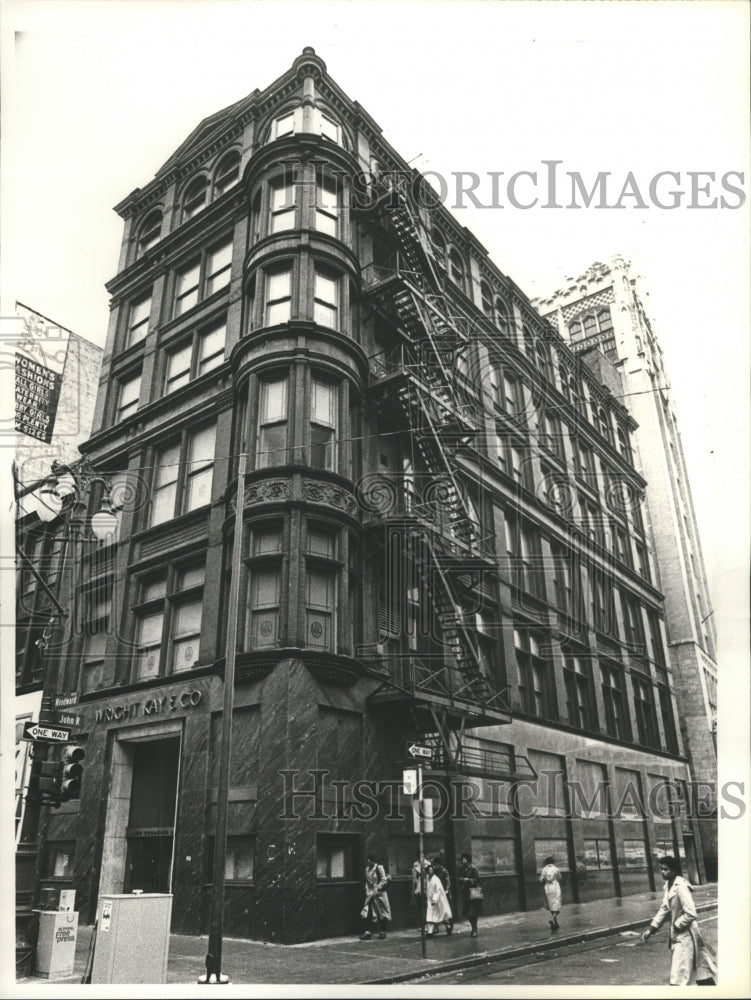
x=439, y=910
x=550, y=876
x=376, y=908
x=689, y=953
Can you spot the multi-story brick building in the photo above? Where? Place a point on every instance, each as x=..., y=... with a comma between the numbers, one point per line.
x=605, y=312
x=443, y=538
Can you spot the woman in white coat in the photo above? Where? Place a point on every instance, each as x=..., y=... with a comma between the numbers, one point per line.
x=689, y=953
x=439, y=909
x=550, y=876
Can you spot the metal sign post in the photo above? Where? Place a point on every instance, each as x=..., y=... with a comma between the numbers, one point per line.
x=423, y=897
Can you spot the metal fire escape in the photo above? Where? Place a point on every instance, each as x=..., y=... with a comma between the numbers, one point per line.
x=416, y=386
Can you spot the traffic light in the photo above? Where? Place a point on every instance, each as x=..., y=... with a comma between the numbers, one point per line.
x=71, y=771
x=48, y=772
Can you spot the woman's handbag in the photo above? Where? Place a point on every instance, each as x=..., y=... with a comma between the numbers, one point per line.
x=475, y=892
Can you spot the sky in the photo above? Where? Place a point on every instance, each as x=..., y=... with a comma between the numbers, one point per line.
x=97, y=95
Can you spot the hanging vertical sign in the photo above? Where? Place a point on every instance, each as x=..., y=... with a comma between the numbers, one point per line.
x=40, y=360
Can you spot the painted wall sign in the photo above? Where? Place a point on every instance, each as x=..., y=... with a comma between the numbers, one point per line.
x=162, y=705
x=37, y=396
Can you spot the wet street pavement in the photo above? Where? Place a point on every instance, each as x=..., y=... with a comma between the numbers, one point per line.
x=621, y=960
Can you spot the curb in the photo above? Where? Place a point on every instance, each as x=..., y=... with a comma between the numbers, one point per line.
x=488, y=958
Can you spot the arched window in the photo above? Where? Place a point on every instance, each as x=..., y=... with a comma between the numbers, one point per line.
x=501, y=316
x=529, y=341
x=151, y=231
x=196, y=197
x=543, y=359
x=624, y=444
x=227, y=173
x=602, y=422
x=486, y=299
x=575, y=330
x=456, y=269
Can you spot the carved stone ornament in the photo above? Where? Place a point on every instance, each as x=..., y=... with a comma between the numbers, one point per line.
x=264, y=491
x=331, y=496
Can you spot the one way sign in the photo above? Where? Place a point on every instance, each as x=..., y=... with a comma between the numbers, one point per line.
x=418, y=751
x=39, y=733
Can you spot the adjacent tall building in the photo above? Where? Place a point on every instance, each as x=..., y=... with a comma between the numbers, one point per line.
x=443, y=541
x=604, y=312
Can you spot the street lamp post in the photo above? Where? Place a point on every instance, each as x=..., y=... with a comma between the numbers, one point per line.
x=77, y=478
x=213, y=973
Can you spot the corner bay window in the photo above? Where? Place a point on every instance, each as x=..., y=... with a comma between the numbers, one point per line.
x=321, y=588
x=169, y=611
x=327, y=205
x=271, y=441
x=278, y=296
x=184, y=474
x=282, y=205
x=326, y=298
x=264, y=566
x=323, y=422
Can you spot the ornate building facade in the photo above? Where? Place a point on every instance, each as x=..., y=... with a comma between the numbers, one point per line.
x=443, y=540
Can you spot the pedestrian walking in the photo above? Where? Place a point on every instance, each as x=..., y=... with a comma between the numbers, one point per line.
x=472, y=893
x=438, y=911
x=443, y=874
x=376, y=909
x=689, y=952
x=550, y=876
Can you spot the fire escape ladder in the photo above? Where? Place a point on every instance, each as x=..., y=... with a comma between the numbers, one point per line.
x=473, y=685
x=411, y=233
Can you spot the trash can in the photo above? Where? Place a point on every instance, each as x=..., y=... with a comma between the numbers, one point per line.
x=56, y=943
x=132, y=938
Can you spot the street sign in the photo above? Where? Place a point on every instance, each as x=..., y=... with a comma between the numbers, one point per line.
x=418, y=751
x=66, y=700
x=409, y=780
x=66, y=719
x=40, y=733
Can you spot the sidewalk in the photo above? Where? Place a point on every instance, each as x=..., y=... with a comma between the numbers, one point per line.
x=399, y=958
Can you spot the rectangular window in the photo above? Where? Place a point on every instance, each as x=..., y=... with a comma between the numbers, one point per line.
x=278, y=296
x=198, y=356
x=494, y=855
x=597, y=854
x=603, y=605
x=668, y=719
x=184, y=475
x=138, y=321
x=199, y=470
x=239, y=861
x=218, y=266
x=127, y=399
x=323, y=414
x=563, y=581
x=536, y=675
x=149, y=645
x=642, y=562
x=284, y=125
x=644, y=707
x=35, y=558
x=169, y=621
x=655, y=639
x=271, y=448
x=98, y=604
x=580, y=694
x=326, y=299
x=556, y=849
x=321, y=601
x=186, y=288
x=635, y=853
x=178, y=368
x=632, y=624
x=614, y=698
x=282, y=208
x=524, y=557
x=327, y=205
x=337, y=857
x=203, y=277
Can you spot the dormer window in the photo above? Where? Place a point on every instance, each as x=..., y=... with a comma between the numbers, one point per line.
x=196, y=197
